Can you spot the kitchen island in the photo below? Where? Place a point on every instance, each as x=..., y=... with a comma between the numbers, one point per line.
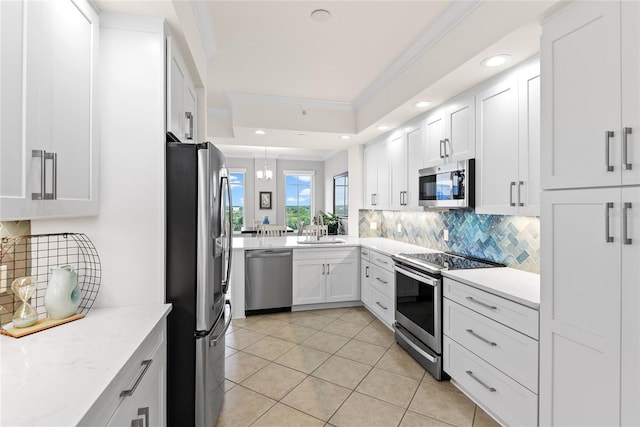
x=74, y=373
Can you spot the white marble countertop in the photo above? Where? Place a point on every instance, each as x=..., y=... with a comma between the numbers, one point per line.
x=53, y=377
x=387, y=246
x=516, y=285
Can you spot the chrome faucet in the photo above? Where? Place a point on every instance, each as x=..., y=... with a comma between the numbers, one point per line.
x=319, y=223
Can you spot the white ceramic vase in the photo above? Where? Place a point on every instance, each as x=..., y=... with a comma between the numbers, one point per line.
x=62, y=297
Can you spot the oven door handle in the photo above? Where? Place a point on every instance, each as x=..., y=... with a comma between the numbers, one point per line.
x=417, y=276
x=411, y=344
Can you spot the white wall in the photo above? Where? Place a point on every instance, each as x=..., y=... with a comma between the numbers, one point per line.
x=356, y=187
x=263, y=185
x=334, y=165
x=128, y=232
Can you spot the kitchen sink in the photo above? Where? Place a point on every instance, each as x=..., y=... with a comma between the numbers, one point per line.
x=322, y=241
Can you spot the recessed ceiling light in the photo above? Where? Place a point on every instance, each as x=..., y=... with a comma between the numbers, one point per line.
x=383, y=127
x=260, y=132
x=344, y=137
x=301, y=135
x=494, y=61
x=320, y=15
x=422, y=104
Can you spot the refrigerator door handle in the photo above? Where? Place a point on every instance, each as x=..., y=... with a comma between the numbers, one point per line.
x=214, y=340
x=229, y=232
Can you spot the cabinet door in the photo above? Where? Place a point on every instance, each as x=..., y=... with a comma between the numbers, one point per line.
x=580, y=57
x=371, y=176
x=631, y=92
x=309, y=282
x=497, y=136
x=177, y=77
x=461, y=131
x=434, y=130
x=384, y=169
x=630, y=410
x=397, y=160
x=580, y=308
x=14, y=155
x=190, y=113
x=342, y=279
x=365, y=274
x=415, y=162
x=528, y=185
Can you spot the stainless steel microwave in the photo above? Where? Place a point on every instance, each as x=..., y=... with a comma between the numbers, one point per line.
x=450, y=185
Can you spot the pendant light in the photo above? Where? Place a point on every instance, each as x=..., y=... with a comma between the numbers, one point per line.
x=264, y=174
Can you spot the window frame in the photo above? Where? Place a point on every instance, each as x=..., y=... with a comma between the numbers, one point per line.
x=312, y=175
x=341, y=175
x=243, y=172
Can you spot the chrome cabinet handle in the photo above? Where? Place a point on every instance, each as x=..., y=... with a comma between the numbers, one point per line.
x=328, y=268
x=441, y=144
x=44, y=156
x=383, y=307
x=381, y=281
x=43, y=174
x=142, y=412
x=626, y=240
x=323, y=269
x=381, y=261
x=146, y=364
x=483, y=304
x=511, y=185
x=491, y=343
x=625, y=136
x=446, y=140
x=137, y=422
x=189, y=117
x=365, y=253
x=491, y=389
x=607, y=208
x=54, y=177
x=520, y=184
x=608, y=134
x=366, y=271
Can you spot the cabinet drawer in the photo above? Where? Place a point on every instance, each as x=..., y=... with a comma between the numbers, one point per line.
x=320, y=254
x=511, y=352
x=383, y=280
x=509, y=313
x=381, y=260
x=365, y=254
x=382, y=306
x=512, y=403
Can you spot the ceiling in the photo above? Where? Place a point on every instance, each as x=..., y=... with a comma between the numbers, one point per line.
x=268, y=65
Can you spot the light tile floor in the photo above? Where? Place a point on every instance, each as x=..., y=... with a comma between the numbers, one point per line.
x=333, y=367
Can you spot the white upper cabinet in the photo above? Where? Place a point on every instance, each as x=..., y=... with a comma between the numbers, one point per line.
x=376, y=169
x=397, y=158
x=508, y=143
x=581, y=64
x=181, y=96
x=415, y=150
x=54, y=154
x=630, y=93
x=450, y=132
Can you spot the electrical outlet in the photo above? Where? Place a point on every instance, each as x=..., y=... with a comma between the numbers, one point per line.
x=373, y=225
x=399, y=228
x=445, y=235
x=3, y=279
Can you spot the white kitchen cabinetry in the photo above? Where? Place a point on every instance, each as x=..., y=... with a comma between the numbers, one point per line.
x=365, y=277
x=450, y=133
x=491, y=351
x=181, y=96
x=376, y=169
x=49, y=151
x=397, y=158
x=382, y=287
x=508, y=143
x=590, y=299
x=137, y=396
x=322, y=276
x=590, y=59
x=415, y=162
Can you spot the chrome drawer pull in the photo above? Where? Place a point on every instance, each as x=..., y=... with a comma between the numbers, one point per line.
x=491, y=389
x=608, y=238
x=625, y=136
x=383, y=262
x=381, y=281
x=608, y=134
x=626, y=240
x=511, y=185
x=146, y=364
x=484, y=304
x=491, y=343
x=383, y=307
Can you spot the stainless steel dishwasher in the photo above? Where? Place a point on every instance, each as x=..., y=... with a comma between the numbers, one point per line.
x=268, y=279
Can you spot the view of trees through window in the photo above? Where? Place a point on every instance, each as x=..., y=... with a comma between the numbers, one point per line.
x=341, y=195
x=236, y=180
x=299, y=196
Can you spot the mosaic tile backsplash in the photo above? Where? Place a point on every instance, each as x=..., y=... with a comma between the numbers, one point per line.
x=10, y=229
x=511, y=240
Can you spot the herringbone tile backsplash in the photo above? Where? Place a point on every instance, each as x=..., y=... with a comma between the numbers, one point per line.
x=511, y=240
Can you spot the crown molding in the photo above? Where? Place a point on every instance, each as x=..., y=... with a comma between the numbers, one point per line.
x=450, y=18
x=205, y=28
x=286, y=101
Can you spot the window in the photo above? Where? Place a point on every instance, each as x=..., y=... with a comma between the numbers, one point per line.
x=341, y=195
x=298, y=198
x=236, y=181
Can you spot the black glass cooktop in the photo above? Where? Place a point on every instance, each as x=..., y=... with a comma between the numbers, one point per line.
x=439, y=261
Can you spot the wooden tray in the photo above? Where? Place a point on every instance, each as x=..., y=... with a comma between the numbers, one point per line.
x=40, y=325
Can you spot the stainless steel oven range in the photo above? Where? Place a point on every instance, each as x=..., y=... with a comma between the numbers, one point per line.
x=419, y=303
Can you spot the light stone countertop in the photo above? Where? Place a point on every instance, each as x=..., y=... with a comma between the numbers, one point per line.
x=53, y=377
x=515, y=285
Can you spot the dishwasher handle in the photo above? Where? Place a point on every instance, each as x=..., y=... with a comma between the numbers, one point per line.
x=267, y=253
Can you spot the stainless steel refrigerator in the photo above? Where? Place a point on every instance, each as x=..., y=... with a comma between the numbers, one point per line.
x=198, y=260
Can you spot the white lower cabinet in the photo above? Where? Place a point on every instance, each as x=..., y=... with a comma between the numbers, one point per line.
x=137, y=395
x=365, y=276
x=378, y=285
x=491, y=352
x=324, y=276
